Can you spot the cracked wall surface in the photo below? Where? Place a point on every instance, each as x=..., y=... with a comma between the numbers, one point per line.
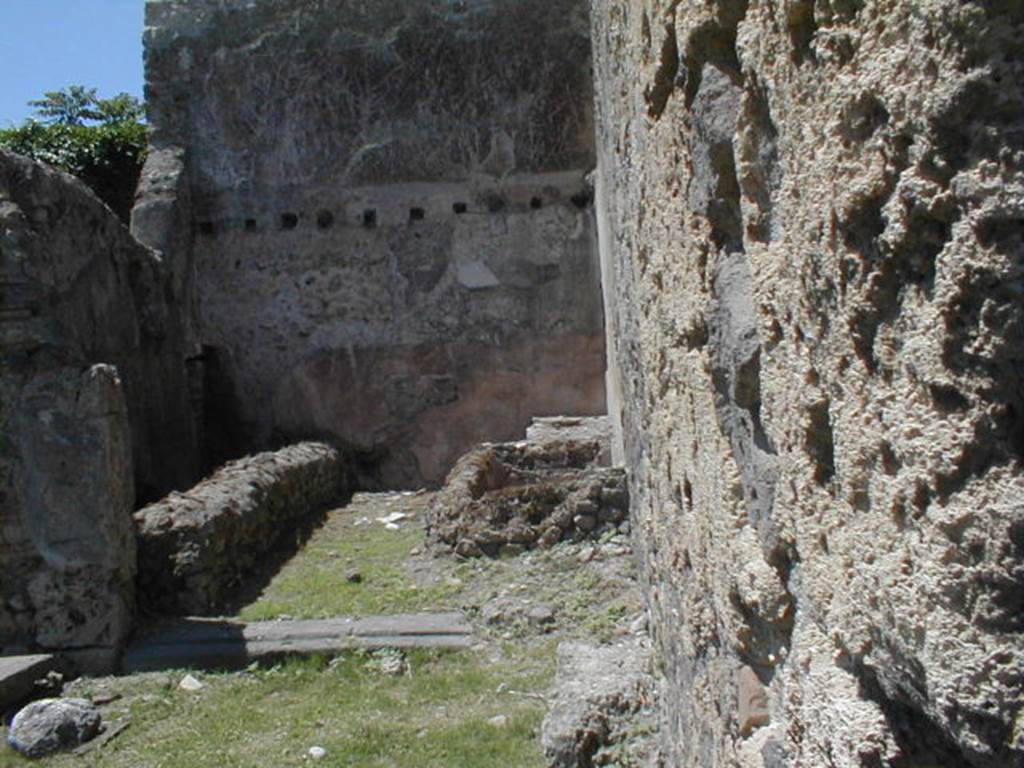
x=95, y=412
x=388, y=212
x=813, y=256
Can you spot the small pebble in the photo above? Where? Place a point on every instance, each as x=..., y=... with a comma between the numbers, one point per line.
x=585, y=522
x=499, y=721
x=393, y=665
x=354, y=576
x=639, y=625
x=189, y=683
x=317, y=753
x=540, y=615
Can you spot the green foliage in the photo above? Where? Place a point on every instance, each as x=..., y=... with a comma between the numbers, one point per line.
x=107, y=156
x=77, y=104
x=123, y=107
x=69, y=106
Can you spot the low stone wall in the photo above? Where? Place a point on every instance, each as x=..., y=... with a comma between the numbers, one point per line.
x=514, y=496
x=195, y=548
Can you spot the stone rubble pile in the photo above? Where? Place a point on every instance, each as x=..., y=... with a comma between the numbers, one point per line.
x=509, y=497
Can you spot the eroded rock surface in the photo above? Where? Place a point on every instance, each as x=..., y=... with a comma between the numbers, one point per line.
x=51, y=725
x=814, y=268
x=94, y=408
x=601, y=710
x=196, y=548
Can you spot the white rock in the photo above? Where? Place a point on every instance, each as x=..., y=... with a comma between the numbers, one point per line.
x=639, y=625
x=317, y=753
x=190, y=683
x=394, y=517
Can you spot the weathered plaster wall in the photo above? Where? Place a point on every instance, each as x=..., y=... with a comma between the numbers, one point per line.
x=390, y=219
x=816, y=281
x=94, y=408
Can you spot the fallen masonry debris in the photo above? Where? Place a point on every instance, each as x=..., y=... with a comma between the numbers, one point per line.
x=501, y=499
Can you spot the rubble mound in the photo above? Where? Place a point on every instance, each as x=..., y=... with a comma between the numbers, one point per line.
x=509, y=497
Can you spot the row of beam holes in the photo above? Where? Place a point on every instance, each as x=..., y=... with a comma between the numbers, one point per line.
x=325, y=218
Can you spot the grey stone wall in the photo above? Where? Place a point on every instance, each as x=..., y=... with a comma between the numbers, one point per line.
x=814, y=268
x=94, y=408
x=198, y=547
x=389, y=218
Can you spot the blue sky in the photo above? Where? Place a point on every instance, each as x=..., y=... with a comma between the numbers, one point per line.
x=46, y=45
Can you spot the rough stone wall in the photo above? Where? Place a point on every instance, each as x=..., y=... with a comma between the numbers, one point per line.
x=389, y=218
x=93, y=408
x=815, y=267
x=196, y=548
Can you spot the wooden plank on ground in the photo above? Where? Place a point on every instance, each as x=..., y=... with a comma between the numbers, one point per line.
x=19, y=673
x=212, y=644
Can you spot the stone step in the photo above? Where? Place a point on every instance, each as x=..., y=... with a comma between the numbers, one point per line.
x=19, y=673
x=224, y=644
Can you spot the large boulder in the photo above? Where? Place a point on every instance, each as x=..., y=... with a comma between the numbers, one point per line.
x=601, y=705
x=51, y=725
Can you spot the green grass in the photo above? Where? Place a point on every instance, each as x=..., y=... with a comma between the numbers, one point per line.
x=314, y=585
x=436, y=715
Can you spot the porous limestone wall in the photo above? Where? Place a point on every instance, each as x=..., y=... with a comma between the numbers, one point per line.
x=389, y=217
x=196, y=548
x=815, y=263
x=94, y=408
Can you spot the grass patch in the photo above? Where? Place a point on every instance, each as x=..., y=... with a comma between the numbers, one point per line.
x=314, y=585
x=436, y=715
